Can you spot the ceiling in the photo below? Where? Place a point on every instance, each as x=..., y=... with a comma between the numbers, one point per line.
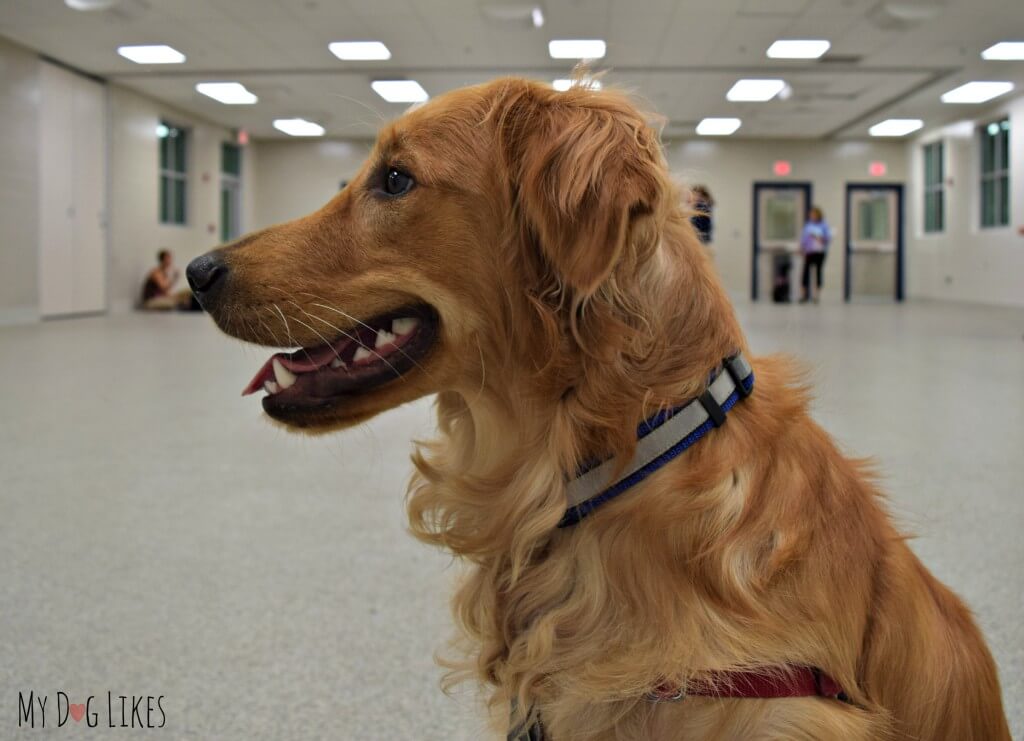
x=889, y=58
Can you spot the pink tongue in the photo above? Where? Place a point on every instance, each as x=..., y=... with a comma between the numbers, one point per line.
x=309, y=360
x=301, y=361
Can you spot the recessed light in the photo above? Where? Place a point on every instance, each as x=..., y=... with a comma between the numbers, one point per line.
x=798, y=48
x=896, y=127
x=755, y=90
x=577, y=48
x=400, y=91
x=151, y=54
x=298, y=127
x=718, y=126
x=1005, y=50
x=588, y=82
x=228, y=93
x=359, y=50
x=537, y=16
x=977, y=92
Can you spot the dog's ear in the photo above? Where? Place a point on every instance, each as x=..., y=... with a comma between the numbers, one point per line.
x=585, y=166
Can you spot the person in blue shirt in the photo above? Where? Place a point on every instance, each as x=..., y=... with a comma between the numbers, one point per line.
x=703, y=203
x=814, y=245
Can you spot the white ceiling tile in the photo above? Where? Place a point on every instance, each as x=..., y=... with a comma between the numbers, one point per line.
x=680, y=55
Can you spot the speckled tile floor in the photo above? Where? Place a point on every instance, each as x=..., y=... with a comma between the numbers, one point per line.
x=157, y=538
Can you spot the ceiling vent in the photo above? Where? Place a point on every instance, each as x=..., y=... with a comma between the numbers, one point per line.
x=509, y=12
x=902, y=15
x=88, y=5
x=843, y=60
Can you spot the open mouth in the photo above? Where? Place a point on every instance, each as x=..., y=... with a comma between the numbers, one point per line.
x=376, y=351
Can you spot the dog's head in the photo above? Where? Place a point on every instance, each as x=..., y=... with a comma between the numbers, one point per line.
x=465, y=254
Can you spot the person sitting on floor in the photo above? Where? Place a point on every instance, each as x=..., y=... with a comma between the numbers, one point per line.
x=158, y=291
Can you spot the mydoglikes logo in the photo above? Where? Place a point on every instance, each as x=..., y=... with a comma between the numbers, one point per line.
x=109, y=711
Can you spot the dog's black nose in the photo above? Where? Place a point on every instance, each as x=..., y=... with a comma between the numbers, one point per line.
x=206, y=274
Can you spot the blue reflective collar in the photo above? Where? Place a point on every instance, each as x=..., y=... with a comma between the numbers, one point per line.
x=660, y=439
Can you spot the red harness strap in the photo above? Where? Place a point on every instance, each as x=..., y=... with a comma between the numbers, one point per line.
x=799, y=681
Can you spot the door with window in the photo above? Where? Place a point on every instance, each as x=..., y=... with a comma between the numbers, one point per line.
x=780, y=210
x=874, y=242
x=230, y=192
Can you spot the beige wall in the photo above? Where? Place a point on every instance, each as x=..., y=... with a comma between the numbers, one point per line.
x=966, y=262
x=19, y=183
x=730, y=167
x=136, y=231
x=296, y=177
x=286, y=179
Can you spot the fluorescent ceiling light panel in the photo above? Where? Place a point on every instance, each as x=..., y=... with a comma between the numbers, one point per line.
x=359, y=50
x=896, y=127
x=537, y=16
x=400, y=91
x=589, y=83
x=798, y=48
x=1005, y=50
x=977, y=92
x=718, y=126
x=577, y=48
x=298, y=127
x=757, y=91
x=228, y=93
x=151, y=54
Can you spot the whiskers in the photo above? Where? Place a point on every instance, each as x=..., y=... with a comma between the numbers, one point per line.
x=358, y=321
x=340, y=332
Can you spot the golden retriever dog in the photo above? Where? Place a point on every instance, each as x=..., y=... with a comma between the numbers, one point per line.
x=524, y=255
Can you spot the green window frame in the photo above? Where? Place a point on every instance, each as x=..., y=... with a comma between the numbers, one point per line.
x=995, y=174
x=173, y=144
x=934, y=187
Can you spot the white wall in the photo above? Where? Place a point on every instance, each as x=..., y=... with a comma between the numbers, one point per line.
x=730, y=167
x=19, y=183
x=296, y=177
x=966, y=262
x=136, y=233
x=134, y=220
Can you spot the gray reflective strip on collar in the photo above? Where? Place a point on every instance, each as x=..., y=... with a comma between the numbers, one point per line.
x=741, y=365
x=681, y=424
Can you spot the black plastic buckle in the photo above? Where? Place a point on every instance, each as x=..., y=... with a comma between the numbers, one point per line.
x=732, y=367
x=714, y=410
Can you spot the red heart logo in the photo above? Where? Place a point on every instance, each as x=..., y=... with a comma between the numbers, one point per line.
x=77, y=711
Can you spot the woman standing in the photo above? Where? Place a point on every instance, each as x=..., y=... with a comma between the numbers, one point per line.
x=814, y=244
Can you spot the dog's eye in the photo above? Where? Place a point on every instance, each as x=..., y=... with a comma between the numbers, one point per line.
x=397, y=183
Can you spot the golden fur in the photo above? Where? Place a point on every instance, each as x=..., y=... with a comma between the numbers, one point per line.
x=574, y=301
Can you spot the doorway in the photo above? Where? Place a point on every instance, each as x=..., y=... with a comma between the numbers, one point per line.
x=780, y=210
x=874, y=259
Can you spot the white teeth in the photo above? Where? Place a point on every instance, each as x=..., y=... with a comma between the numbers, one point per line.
x=405, y=325
x=270, y=387
x=338, y=363
x=285, y=377
x=362, y=354
x=383, y=338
